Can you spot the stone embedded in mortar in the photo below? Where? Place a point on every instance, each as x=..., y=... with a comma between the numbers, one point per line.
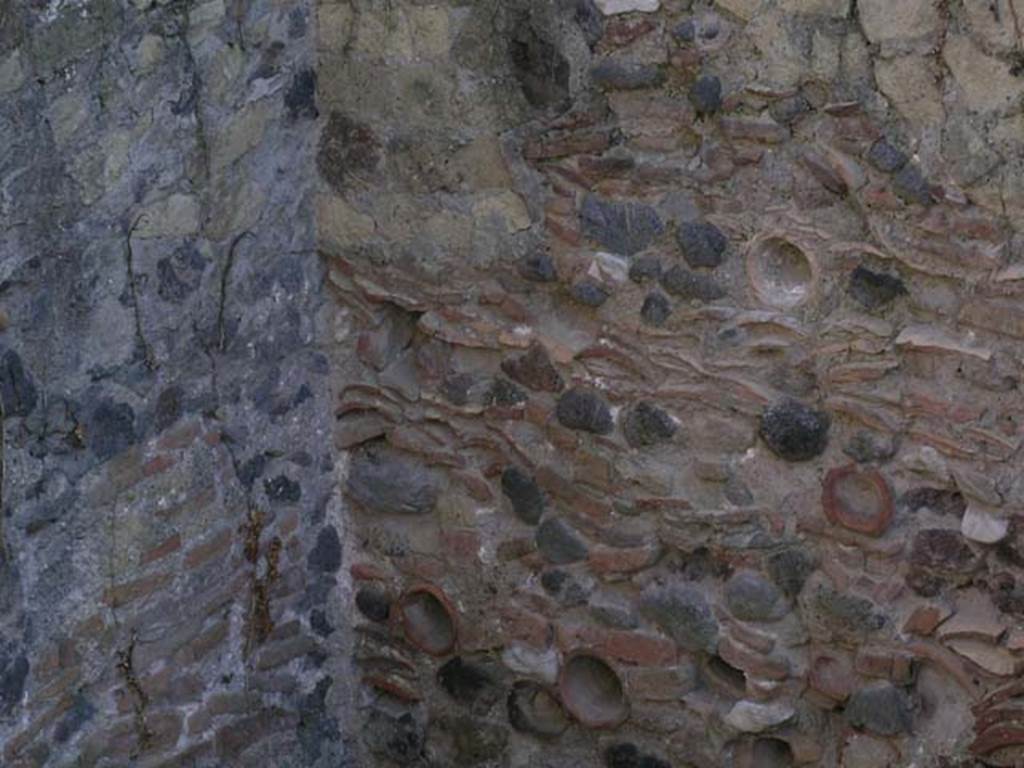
x=939, y=557
x=794, y=431
x=282, y=490
x=789, y=109
x=385, y=481
x=847, y=616
x=622, y=227
x=885, y=157
x=428, y=618
x=874, y=290
x=373, y=603
x=685, y=284
x=538, y=267
x=348, y=151
x=627, y=755
x=476, y=741
x=588, y=18
x=592, y=691
x=559, y=543
x=533, y=709
x=645, y=268
x=942, y=501
x=751, y=597
x=469, y=683
x=589, y=292
x=706, y=94
x=504, y=393
x=18, y=392
x=911, y=186
x=646, y=424
x=613, y=75
x=525, y=495
x=326, y=554
x=866, y=447
x=858, y=500
x=110, y=428
x=702, y=243
x=540, y=67
x=534, y=370
x=683, y=613
x=983, y=526
x=656, y=309
x=585, y=410
x=880, y=708
x=755, y=717
x=611, y=7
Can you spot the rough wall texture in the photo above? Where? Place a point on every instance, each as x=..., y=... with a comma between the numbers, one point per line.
x=538, y=383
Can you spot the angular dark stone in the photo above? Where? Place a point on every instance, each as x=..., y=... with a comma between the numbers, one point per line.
x=751, y=597
x=911, y=186
x=646, y=424
x=12, y=683
x=683, y=613
x=505, y=393
x=387, y=482
x=788, y=110
x=326, y=553
x=168, y=408
x=110, y=428
x=943, y=501
x=347, y=150
x=534, y=369
x=656, y=309
x=400, y=738
x=469, y=684
x=526, y=496
x=846, y=615
x=939, y=557
x=81, y=712
x=794, y=431
x=645, y=268
x=17, y=389
x=541, y=69
x=583, y=409
x=623, y=228
x=685, y=31
x=789, y=569
x=533, y=709
x=458, y=387
x=684, y=284
x=873, y=290
x=318, y=620
x=703, y=244
x=626, y=76
x=590, y=20
x=706, y=94
x=559, y=543
x=885, y=157
x=880, y=708
x=300, y=98
x=373, y=603
x=866, y=447
x=538, y=267
x=589, y=292
x=626, y=755
x=282, y=490
x=179, y=275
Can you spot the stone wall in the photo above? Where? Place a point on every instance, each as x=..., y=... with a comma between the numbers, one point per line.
x=538, y=383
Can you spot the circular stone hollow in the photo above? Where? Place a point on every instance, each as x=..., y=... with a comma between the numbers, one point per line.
x=782, y=273
x=859, y=500
x=428, y=619
x=592, y=692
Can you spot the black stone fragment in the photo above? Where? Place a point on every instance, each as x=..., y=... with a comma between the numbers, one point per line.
x=582, y=409
x=911, y=186
x=373, y=604
x=656, y=309
x=590, y=20
x=590, y=293
x=110, y=428
x=788, y=110
x=81, y=712
x=873, y=290
x=282, y=490
x=559, y=543
x=625, y=75
x=623, y=228
x=300, y=98
x=703, y=244
x=347, y=150
x=12, y=683
x=538, y=267
x=646, y=424
x=794, y=431
x=789, y=569
x=525, y=495
x=468, y=683
x=504, y=393
x=626, y=755
x=880, y=708
x=706, y=94
x=645, y=268
x=686, y=284
x=943, y=501
x=326, y=553
x=17, y=389
x=885, y=157
x=541, y=69
x=388, y=482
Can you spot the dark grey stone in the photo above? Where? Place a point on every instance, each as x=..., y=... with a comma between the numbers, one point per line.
x=81, y=712
x=751, y=597
x=12, y=683
x=282, y=490
x=590, y=293
x=326, y=554
x=706, y=94
x=848, y=616
x=789, y=569
x=942, y=501
x=477, y=741
x=110, y=428
x=686, y=284
x=540, y=67
x=168, y=407
x=590, y=20
x=534, y=369
x=885, y=157
x=626, y=75
x=789, y=109
x=880, y=708
x=559, y=543
x=373, y=603
x=400, y=738
x=646, y=424
x=874, y=290
x=645, y=268
x=584, y=410
x=347, y=150
x=685, y=31
x=525, y=495
x=17, y=389
x=623, y=228
x=656, y=309
x=538, y=267
x=683, y=613
x=794, y=431
x=628, y=755
x=300, y=98
x=468, y=683
x=911, y=186
x=504, y=393
x=867, y=447
x=388, y=482
x=703, y=244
